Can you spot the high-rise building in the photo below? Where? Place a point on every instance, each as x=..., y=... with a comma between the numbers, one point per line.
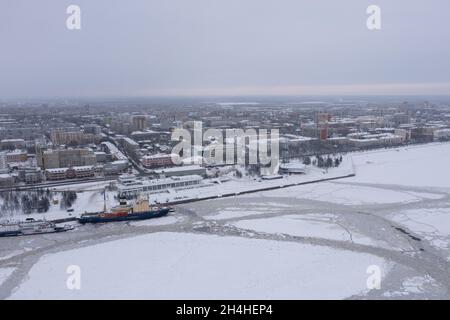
x=60, y=137
x=16, y=156
x=3, y=163
x=139, y=122
x=92, y=128
x=322, y=120
x=61, y=158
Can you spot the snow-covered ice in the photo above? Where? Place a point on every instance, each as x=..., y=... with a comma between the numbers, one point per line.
x=426, y=221
x=189, y=266
x=317, y=226
x=5, y=273
x=432, y=224
x=237, y=212
x=395, y=212
x=10, y=254
x=156, y=222
x=341, y=193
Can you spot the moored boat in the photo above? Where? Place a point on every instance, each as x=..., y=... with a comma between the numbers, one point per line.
x=30, y=227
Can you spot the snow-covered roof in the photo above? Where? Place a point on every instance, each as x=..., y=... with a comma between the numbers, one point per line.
x=180, y=169
x=157, y=156
x=292, y=165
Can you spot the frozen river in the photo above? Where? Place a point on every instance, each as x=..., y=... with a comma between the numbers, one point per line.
x=311, y=241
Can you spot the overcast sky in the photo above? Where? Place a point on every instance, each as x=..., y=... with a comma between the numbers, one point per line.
x=223, y=47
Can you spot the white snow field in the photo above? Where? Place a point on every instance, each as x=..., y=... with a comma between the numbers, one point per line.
x=189, y=266
x=423, y=165
x=87, y=201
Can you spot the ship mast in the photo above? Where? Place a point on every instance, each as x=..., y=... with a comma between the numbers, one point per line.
x=104, y=199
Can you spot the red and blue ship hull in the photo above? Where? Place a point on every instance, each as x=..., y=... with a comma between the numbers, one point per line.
x=100, y=218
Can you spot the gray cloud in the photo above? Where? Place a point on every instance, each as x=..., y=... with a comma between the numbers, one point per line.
x=170, y=47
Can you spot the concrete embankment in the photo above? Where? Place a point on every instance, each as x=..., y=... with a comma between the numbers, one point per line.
x=71, y=219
